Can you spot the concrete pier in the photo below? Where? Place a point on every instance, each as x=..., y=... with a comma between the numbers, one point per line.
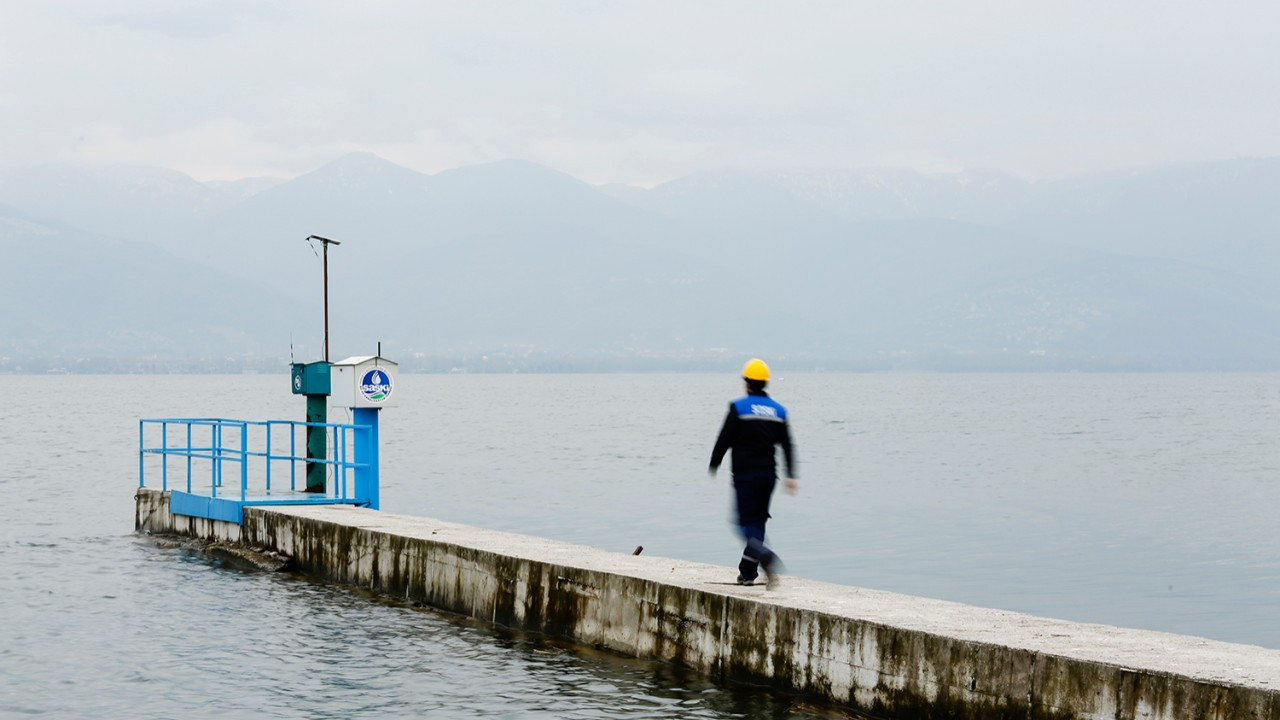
x=880, y=653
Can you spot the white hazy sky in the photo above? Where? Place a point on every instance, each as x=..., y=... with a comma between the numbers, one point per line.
x=639, y=92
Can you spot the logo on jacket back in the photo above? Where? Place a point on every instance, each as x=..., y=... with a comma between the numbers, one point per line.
x=764, y=411
x=751, y=408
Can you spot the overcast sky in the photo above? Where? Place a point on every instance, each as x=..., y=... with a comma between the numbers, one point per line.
x=639, y=92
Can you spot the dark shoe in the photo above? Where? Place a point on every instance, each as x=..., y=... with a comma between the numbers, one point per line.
x=744, y=581
x=772, y=573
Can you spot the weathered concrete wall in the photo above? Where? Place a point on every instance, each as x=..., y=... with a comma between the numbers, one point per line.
x=151, y=514
x=888, y=654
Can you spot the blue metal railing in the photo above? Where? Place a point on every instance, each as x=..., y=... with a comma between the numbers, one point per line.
x=235, y=442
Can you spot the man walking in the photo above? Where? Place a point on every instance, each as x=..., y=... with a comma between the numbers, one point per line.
x=755, y=424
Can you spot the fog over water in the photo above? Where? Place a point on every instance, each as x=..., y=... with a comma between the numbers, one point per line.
x=994, y=186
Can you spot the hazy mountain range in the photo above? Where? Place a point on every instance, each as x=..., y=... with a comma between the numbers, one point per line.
x=512, y=265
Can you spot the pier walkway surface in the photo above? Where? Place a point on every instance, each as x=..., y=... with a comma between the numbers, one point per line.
x=880, y=653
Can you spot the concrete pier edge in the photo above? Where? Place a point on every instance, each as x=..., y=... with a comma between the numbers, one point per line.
x=876, y=652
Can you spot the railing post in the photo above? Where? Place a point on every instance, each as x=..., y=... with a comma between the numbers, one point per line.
x=142, y=465
x=348, y=447
x=268, y=461
x=214, y=460
x=189, y=451
x=340, y=438
x=244, y=460
x=164, y=456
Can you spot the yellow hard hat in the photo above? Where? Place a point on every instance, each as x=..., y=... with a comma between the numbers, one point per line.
x=755, y=369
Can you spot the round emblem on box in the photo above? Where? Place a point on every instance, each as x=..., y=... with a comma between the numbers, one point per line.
x=375, y=385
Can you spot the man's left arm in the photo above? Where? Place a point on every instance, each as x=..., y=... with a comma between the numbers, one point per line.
x=788, y=455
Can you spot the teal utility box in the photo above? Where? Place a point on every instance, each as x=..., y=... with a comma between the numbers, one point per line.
x=311, y=378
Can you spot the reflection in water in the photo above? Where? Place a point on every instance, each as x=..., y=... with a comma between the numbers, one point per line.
x=341, y=652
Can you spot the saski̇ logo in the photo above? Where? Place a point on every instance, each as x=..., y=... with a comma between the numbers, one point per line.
x=375, y=385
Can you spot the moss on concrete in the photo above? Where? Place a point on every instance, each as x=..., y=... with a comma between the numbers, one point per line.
x=870, y=667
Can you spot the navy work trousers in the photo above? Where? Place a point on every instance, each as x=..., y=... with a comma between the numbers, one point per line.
x=753, y=491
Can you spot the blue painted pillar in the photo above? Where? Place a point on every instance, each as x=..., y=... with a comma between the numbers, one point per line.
x=366, y=450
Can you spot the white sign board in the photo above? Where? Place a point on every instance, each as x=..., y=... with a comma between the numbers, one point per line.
x=364, y=382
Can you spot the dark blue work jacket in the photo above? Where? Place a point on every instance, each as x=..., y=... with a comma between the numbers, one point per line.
x=755, y=425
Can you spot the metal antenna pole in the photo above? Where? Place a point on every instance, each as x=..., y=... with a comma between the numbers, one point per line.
x=326, y=242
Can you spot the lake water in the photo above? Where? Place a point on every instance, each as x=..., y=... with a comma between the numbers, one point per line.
x=1136, y=500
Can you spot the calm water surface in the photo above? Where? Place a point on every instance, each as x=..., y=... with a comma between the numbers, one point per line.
x=1136, y=500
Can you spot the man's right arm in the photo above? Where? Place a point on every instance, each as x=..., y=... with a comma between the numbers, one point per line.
x=725, y=440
